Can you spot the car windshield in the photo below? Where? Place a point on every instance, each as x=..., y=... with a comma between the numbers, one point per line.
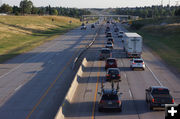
x=160, y=91
x=138, y=61
x=105, y=51
x=113, y=71
x=109, y=97
x=109, y=43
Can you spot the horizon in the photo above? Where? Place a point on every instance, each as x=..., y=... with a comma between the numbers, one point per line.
x=101, y=4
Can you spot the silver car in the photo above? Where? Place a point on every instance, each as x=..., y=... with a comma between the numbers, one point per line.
x=137, y=63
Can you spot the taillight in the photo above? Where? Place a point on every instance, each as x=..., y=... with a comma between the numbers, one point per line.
x=107, y=75
x=102, y=101
x=133, y=63
x=119, y=75
x=143, y=63
x=172, y=100
x=118, y=101
x=153, y=100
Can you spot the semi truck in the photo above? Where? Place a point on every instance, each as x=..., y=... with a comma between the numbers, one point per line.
x=132, y=44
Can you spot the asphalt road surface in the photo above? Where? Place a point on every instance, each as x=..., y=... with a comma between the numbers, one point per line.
x=85, y=101
x=33, y=85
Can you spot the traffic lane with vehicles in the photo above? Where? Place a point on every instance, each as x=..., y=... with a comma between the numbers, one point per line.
x=133, y=88
x=24, y=85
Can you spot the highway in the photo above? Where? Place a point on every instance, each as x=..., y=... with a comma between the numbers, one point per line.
x=85, y=101
x=33, y=85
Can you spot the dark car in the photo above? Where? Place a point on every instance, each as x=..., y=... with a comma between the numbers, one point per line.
x=109, y=100
x=113, y=74
x=92, y=26
x=110, y=39
x=107, y=29
x=109, y=34
x=158, y=96
x=105, y=53
x=116, y=29
x=111, y=63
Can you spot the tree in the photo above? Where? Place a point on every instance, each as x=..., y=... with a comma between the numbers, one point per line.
x=54, y=12
x=5, y=8
x=177, y=12
x=26, y=6
x=16, y=10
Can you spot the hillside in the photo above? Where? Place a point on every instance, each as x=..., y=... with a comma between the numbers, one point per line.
x=20, y=34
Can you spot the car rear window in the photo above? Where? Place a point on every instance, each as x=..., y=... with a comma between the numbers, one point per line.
x=111, y=60
x=160, y=91
x=109, y=97
x=105, y=51
x=138, y=61
x=109, y=43
x=113, y=71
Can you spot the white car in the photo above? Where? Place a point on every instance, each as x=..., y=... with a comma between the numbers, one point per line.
x=109, y=45
x=83, y=27
x=137, y=63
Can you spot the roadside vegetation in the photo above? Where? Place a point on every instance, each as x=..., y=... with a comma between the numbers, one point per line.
x=19, y=34
x=162, y=35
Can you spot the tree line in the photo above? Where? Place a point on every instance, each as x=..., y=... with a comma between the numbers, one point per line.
x=26, y=7
x=150, y=12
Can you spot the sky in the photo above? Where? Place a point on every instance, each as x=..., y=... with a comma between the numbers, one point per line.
x=93, y=3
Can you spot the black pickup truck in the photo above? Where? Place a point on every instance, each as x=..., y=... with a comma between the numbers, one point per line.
x=158, y=96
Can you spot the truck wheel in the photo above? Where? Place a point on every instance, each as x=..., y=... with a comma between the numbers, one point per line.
x=100, y=109
x=150, y=107
x=132, y=68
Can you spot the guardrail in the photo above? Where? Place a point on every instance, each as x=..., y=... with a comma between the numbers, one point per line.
x=86, y=47
x=71, y=91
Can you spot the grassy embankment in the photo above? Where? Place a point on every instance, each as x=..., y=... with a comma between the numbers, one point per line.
x=162, y=36
x=19, y=34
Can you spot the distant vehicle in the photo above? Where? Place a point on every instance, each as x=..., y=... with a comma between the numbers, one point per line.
x=109, y=100
x=120, y=35
x=109, y=34
x=116, y=29
x=108, y=22
x=105, y=53
x=111, y=63
x=158, y=96
x=133, y=44
x=113, y=74
x=83, y=27
x=109, y=45
x=92, y=26
x=137, y=63
x=110, y=39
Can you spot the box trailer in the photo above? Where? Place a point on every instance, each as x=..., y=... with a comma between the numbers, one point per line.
x=133, y=44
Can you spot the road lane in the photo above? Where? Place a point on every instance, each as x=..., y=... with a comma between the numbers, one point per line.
x=28, y=76
x=133, y=87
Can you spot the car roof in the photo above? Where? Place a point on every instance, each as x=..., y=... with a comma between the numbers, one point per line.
x=113, y=69
x=111, y=58
x=156, y=87
x=109, y=91
x=137, y=59
x=105, y=49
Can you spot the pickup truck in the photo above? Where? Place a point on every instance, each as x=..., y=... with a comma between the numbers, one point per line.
x=158, y=96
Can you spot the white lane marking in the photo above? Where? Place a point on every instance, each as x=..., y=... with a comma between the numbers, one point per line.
x=130, y=93
x=155, y=77
x=121, y=63
x=18, y=87
x=125, y=75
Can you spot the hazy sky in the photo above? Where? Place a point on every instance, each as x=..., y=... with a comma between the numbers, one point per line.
x=93, y=3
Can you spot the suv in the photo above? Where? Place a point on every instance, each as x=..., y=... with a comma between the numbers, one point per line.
x=120, y=34
x=105, y=53
x=109, y=100
x=111, y=39
x=109, y=34
x=137, y=63
x=113, y=74
x=111, y=63
x=109, y=45
x=92, y=26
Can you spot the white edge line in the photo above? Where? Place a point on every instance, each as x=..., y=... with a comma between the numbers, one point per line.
x=130, y=93
x=18, y=87
x=154, y=75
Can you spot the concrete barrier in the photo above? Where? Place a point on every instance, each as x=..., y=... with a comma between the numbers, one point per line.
x=69, y=96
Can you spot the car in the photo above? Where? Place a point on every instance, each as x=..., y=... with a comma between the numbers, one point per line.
x=110, y=39
x=109, y=45
x=109, y=100
x=113, y=74
x=105, y=53
x=120, y=34
x=107, y=29
x=109, y=34
x=92, y=26
x=83, y=27
x=111, y=63
x=116, y=29
x=158, y=96
x=137, y=63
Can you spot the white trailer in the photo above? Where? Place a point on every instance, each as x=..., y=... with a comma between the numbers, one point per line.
x=133, y=44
